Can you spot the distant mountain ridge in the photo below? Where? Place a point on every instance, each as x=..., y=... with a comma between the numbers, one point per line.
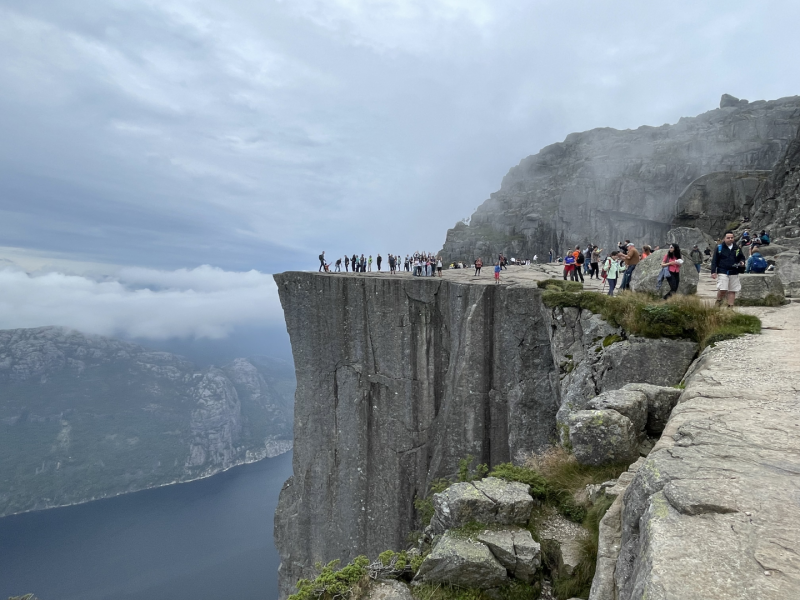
x=85, y=417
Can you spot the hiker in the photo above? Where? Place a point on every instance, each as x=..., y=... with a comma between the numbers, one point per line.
x=765, y=240
x=569, y=267
x=551, y=256
x=646, y=251
x=338, y=265
x=497, y=272
x=346, y=263
x=672, y=262
x=478, y=265
x=726, y=265
x=587, y=259
x=580, y=260
x=594, y=264
x=322, y=261
x=611, y=270
x=745, y=239
x=439, y=266
x=756, y=263
x=379, y=260
x=369, y=264
x=697, y=257
x=631, y=258
x=354, y=263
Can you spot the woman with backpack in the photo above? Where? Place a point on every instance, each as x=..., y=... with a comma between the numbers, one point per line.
x=672, y=262
x=611, y=269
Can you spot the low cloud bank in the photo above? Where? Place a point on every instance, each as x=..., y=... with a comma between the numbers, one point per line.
x=206, y=302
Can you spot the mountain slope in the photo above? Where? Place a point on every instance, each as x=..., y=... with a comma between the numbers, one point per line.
x=85, y=417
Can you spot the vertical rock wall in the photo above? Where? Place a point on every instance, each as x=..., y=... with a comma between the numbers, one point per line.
x=397, y=380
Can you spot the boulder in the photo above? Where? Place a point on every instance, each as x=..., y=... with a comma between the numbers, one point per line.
x=787, y=265
x=660, y=402
x=771, y=250
x=600, y=437
x=658, y=362
x=516, y=550
x=389, y=589
x=757, y=287
x=488, y=501
x=631, y=403
x=686, y=237
x=463, y=562
x=646, y=275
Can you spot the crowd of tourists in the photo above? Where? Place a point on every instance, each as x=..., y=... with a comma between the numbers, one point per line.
x=616, y=268
x=419, y=264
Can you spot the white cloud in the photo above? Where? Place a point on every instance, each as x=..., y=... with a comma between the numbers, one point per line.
x=206, y=302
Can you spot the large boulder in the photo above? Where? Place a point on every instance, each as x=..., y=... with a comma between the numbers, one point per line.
x=660, y=402
x=686, y=237
x=515, y=549
x=645, y=276
x=463, y=562
x=631, y=403
x=601, y=437
x=772, y=250
x=760, y=287
x=389, y=589
x=488, y=501
x=787, y=265
x=658, y=362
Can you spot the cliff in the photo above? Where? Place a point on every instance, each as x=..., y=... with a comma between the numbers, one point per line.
x=398, y=378
x=605, y=185
x=85, y=417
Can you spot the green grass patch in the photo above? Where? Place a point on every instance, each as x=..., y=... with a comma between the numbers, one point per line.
x=680, y=317
x=560, y=284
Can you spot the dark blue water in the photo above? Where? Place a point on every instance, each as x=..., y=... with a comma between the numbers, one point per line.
x=203, y=540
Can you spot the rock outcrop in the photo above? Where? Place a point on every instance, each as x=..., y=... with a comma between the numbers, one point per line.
x=490, y=501
x=787, y=265
x=645, y=277
x=86, y=417
x=758, y=288
x=606, y=185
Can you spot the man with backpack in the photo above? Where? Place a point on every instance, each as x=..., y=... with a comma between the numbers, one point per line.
x=580, y=260
x=726, y=264
x=756, y=263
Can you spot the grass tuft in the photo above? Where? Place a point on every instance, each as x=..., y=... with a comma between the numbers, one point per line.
x=560, y=285
x=680, y=317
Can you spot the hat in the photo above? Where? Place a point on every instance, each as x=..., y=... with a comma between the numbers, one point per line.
x=630, y=244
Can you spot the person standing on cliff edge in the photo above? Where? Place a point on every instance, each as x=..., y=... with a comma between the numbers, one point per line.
x=322, y=260
x=726, y=265
x=497, y=272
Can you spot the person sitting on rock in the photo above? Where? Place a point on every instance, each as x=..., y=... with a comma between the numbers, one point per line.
x=745, y=239
x=756, y=263
x=765, y=240
x=725, y=266
x=697, y=257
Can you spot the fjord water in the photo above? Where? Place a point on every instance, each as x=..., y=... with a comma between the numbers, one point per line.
x=202, y=540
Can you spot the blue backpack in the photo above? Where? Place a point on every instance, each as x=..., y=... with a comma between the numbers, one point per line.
x=758, y=265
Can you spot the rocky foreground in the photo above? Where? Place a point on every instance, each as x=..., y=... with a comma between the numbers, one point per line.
x=85, y=417
x=713, y=512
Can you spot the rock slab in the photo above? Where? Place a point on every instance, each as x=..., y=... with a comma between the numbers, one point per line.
x=645, y=277
x=760, y=286
x=489, y=501
x=463, y=562
x=516, y=550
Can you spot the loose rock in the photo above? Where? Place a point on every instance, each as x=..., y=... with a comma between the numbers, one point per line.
x=600, y=437
x=464, y=562
x=487, y=501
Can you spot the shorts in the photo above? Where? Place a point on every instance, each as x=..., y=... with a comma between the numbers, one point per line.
x=497, y=275
x=728, y=283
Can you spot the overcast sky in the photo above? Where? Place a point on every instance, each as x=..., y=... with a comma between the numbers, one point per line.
x=252, y=134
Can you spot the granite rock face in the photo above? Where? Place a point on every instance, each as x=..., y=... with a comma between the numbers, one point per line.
x=489, y=501
x=645, y=276
x=660, y=402
x=686, y=237
x=630, y=403
x=602, y=437
x=463, y=562
x=515, y=549
x=397, y=380
x=606, y=185
x=787, y=265
x=85, y=417
x=759, y=286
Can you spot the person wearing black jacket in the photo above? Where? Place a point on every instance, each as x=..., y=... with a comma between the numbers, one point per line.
x=725, y=267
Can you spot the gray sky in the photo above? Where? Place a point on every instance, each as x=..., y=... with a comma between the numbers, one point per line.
x=254, y=134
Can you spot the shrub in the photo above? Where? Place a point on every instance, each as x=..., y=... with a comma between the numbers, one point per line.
x=466, y=473
x=330, y=584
